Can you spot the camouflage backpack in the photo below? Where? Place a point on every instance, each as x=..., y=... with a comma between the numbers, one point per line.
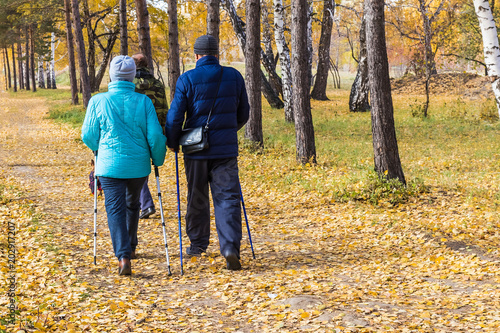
x=147, y=84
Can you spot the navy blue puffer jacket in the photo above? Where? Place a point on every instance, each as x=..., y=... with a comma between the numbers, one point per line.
x=194, y=94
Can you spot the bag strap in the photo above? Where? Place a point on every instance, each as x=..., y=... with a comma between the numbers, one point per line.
x=215, y=98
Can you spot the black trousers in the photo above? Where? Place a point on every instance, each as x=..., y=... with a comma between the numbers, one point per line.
x=222, y=176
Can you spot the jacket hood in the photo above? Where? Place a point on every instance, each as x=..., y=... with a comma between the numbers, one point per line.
x=207, y=60
x=121, y=85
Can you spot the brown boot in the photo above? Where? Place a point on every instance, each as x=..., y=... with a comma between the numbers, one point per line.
x=133, y=255
x=124, y=267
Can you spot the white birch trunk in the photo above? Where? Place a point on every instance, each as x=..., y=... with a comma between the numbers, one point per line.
x=41, y=73
x=490, y=45
x=284, y=54
x=52, y=62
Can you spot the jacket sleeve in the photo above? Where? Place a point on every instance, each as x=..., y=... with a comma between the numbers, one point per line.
x=175, y=116
x=91, y=128
x=155, y=137
x=243, y=106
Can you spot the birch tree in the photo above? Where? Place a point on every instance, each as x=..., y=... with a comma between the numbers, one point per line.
x=52, y=61
x=32, y=55
x=490, y=45
x=41, y=73
x=359, y=96
x=238, y=27
x=20, y=65
x=284, y=56
x=321, y=81
x=385, y=145
x=304, y=129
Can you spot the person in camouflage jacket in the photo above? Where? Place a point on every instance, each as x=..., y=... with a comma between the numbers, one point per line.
x=147, y=84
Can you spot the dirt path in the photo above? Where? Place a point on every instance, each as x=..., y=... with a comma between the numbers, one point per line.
x=329, y=268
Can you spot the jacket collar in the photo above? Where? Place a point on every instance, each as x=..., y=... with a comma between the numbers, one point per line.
x=207, y=60
x=121, y=85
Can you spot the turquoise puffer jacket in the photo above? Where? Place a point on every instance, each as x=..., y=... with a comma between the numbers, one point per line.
x=123, y=127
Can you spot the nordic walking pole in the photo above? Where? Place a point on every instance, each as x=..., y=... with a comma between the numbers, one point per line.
x=157, y=175
x=179, y=208
x=95, y=208
x=246, y=220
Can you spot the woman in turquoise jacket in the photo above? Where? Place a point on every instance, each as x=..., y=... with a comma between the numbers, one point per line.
x=122, y=126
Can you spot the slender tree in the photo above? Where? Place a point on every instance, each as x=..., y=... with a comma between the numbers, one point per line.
x=284, y=56
x=87, y=22
x=359, y=97
x=80, y=49
x=267, y=41
x=5, y=70
x=7, y=62
x=32, y=55
x=253, y=128
x=71, y=53
x=53, y=61
x=385, y=145
x=14, y=67
x=304, y=129
x=41, y=73
x=123, y=28
x=20, y=65
x=238, y=27
x=213, y=18
x=174, y=70
x=321, y=82
x=490, y=45
x=27, y=58
x=143, y=31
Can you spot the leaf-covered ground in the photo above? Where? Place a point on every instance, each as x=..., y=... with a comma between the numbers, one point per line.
x=431, y=265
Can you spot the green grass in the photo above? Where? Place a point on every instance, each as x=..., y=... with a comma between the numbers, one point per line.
x=454, y=148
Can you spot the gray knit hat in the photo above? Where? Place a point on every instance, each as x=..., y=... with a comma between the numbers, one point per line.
x=206, y=45
x=122, y=68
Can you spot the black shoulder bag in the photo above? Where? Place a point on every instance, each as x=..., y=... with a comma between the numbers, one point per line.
x=194, y=140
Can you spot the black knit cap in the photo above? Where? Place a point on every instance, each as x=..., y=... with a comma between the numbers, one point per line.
x=206, y=45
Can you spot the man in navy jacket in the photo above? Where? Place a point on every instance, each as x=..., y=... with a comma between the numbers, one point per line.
x=218, y=166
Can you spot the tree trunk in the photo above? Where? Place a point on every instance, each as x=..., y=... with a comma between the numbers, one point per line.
x=53, y=61
x=271, y=95
x=27, y=60
x=267, y=31
x=490, y=45
x=123, y=28
x=359, y=97
x=143, y=31
x=253, y=128
x=48, y=75
x=80, y=49
x=91, y=46
x=310, y=13
x=321, y=82
x=5, y=70
x=107, y=52
x=71, y=53
x=304, y=129
x=213, y=18
x=41, y=73
x=9, y=78
x=32, y=56
x=173, y=44
x=20, y=65
x=14, y=67
x=385, y=145
x=284, y=54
